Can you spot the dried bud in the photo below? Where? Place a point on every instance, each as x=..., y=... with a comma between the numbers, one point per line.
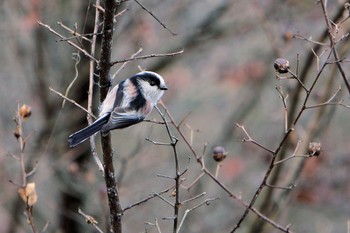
x=28, y=194
x=25, y=111
x=91, y=220
x=219, y=153
x=16, y=132
x=314, y=149
x=281, y=65
x=287, y=36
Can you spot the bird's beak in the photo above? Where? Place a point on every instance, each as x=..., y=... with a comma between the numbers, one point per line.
x=163, y=87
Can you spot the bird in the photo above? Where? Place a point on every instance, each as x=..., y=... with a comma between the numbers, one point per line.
x=128, y=103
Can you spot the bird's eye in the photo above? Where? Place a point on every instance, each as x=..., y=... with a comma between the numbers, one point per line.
x=152, y=83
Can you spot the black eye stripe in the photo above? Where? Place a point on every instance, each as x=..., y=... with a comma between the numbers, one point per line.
x=150, y=78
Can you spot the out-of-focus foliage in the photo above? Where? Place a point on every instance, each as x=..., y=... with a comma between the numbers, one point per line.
x=225, y=75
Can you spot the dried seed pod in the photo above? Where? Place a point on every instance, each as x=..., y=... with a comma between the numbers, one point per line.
x=281, y=65
x=25, y=111
x=314, y=149
x=219, y=153
x=28, y=194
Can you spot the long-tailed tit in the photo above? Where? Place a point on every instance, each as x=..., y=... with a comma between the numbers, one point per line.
x=126, y=104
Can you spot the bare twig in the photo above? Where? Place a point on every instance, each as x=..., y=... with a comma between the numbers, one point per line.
x=125, y=63
x=173, y=141
x=147, y=56
x=69, y=42
x=328, y=102
x=284, y=101
x=91, y=89
x=249, y=139
x=194, y=198
x=332, y=44
x=279, y=187
x=90, y=220
x=194, y=181
x=206, y=202
x=297, y=78
x=237, y=198
x=291, y=156
x=158, y=20
x=72, y=101
x=74, y=32
x=151, y=196
x=166, y=201
x=300, y=36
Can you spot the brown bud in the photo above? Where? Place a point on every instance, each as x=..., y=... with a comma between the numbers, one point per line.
x=287, y=36
x=281, y=65
x=91, y=220
x=28, y=194
x=314, y=149
x=16, y=132
x=219, y=153
x=25, y=111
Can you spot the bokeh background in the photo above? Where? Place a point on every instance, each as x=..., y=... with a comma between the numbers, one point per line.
x=225, y=75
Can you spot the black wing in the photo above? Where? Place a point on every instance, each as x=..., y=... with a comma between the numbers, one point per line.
x=122, y=118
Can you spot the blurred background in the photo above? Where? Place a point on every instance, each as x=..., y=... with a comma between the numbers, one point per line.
x=224, y=76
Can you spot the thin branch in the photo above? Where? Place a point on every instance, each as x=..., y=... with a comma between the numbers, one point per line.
x=220, y=184
x=91, y=90
x=158, y=143
x=151, y=196
x=157, y=225
x=90, y=220
x=125, y=63
x=158, y=20
x=290, y=187
x=32, y=172
x=218, y=166
x=194, y=181
x=332, y=44
x=206, y=202
x=74, y=32
x=69, y=42
x=249, y=139
x=284, y=101
x=297, y=78
x=328, y=102
x=165, y=200
x=178, y=181
x=72, y=101
x=194, y=198
x=147, y=56
x=300, y=36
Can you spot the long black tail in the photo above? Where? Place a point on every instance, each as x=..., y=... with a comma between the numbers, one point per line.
x=83, y=134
